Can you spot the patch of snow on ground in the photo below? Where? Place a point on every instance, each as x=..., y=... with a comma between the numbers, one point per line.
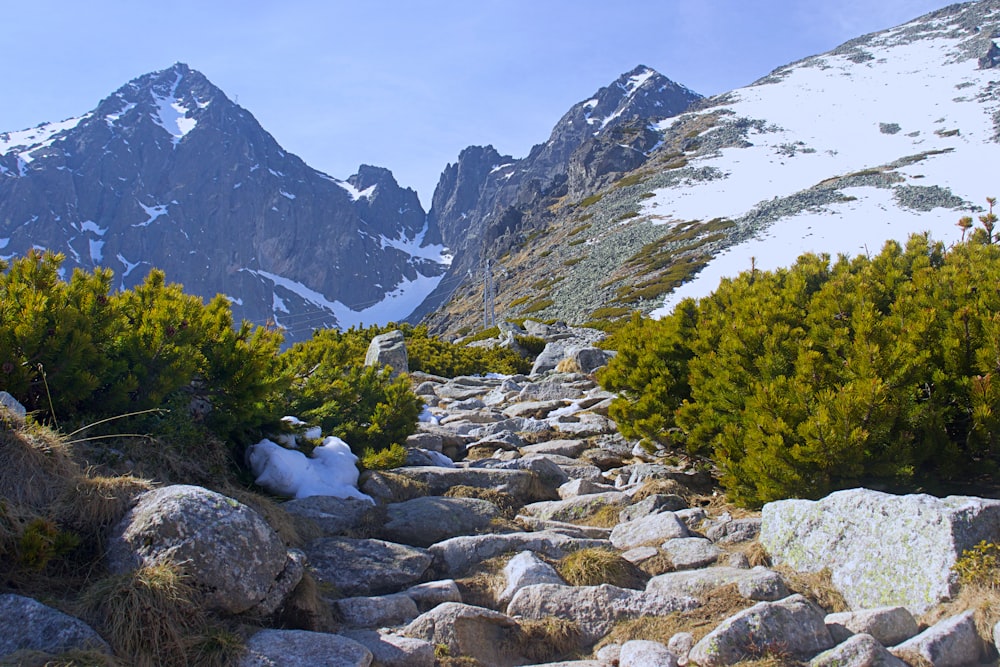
x=92, y=227
x=835, y=107
x=414, y=247
x=287, y=195
x=171, y=114
x=331, y=471
x=353, y=191
x=4, y=243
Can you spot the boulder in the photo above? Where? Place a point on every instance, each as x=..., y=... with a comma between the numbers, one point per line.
x=29, y=625
x=388, y=349
x=570, y=448
x=526, y=569
x=645, y=653
x=549, y=473
x=756, y=584
x=734, y=531
x=522, y=484
x=680, y=644
x=881, y=549
x=432, y=593
x=549, y=391
x=653, y=529
x=365, y=567
x=589, y=359
x=794, y=625
x=576, y=508
x=570, y=529
x=455, y=556
x=859, y=650
x=301, y=648
x=582, y=487
x=533, y=409
x=12, y=405
x=654, y=504
x=595, y=609
x=423, y=521
x=688, y=553
x=889, y=625
x=229, y=552
x=377, y=611
x=327, y=516
x=482, y=634
x=390, y=650
x=952, y=642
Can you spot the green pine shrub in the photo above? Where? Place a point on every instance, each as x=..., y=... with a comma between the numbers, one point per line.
x=827, y=374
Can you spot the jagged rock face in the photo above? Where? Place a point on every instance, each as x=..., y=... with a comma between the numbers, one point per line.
x=483, y=196
x=167, y=172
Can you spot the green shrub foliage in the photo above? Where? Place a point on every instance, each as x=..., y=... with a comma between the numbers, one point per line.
x=826, y=374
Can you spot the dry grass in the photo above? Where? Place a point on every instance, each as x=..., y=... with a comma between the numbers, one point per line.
x=95, y=504
x=36, y=465
x=604, y=517
x=595, y=566
x=652, y=487
x=719, y=605
x=505, y=502
x=275, y=516
x=148, y=616
x=985, y=600
x=481, y=585
x=817, y=586
x=569, y=365
x=401, y=487
x=658, y=564
x=547, y=639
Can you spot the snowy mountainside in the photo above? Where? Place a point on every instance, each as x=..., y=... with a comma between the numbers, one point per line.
x=891, y=134
x=167, y=172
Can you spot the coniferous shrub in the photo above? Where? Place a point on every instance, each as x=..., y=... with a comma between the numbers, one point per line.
x=827, y=374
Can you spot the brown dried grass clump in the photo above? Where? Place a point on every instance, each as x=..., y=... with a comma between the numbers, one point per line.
x=595, y=566
x=505, y=502
x=652, y=487
x=817, y=586
x=95, y=504
x=720, y=604
x=280, y=520
x=305, y=608
x=36, y=465
x=604, y=517
x=547, y=639
x=658, y=564
x=569, y=365
x=150, y=617
x=484, y=582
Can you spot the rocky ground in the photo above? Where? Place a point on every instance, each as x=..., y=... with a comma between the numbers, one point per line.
x=545, y=537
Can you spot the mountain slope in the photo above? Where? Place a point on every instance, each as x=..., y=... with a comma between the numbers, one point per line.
x=480, y=201
x=890, y=134
x=168, y=172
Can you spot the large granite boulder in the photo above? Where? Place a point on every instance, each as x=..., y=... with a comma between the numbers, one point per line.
x=952, y=642
x=29, y=625
x=388, y=349
x=230, y=553
x=859, y=650
x=794, y=625
x=881, y=549
x=758, y=583
x=475, y=632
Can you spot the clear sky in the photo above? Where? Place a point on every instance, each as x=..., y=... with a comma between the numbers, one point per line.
x=407, y=84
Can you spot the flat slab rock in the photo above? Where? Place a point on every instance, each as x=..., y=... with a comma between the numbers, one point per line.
x=758, y=583
x=423, y=521
x=366, y=567
x=32, y=626
x=522, y=484
x=301, y=648
x=455, y=556
x=881, y=549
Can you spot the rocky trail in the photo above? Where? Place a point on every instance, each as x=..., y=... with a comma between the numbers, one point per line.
x=525, y=530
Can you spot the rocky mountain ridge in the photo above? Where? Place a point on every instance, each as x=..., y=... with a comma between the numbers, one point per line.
x=168, y=172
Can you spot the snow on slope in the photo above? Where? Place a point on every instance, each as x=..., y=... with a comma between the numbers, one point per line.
x=916, y=90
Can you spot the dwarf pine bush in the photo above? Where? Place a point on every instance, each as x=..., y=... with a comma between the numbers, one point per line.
x=826, y=374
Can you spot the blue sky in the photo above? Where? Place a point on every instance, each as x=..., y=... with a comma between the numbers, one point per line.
x=406, y=84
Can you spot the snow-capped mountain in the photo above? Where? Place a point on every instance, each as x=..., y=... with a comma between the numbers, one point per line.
x=480, y=201
x=167, y=172
x=890, y=134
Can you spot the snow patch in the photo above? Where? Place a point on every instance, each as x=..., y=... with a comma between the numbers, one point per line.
x=172, y=115
x=153, y=212
x=353, y=191
x=34, y=138
x=331, y=471
x=96, y=250
x=287, y=195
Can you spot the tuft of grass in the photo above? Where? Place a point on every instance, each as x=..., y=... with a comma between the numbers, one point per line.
x=32, y=452
x=606, y=516
x=484, y=582
x=817, y=586
x=591, y=200
x=149, y=616
x=720, y=604
x=94, y=504
x=305, y=608
x=547, y=639
x=595, y=566
x=284, y=524
x=658, y=564
x=505, y=502
x=537, y=305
